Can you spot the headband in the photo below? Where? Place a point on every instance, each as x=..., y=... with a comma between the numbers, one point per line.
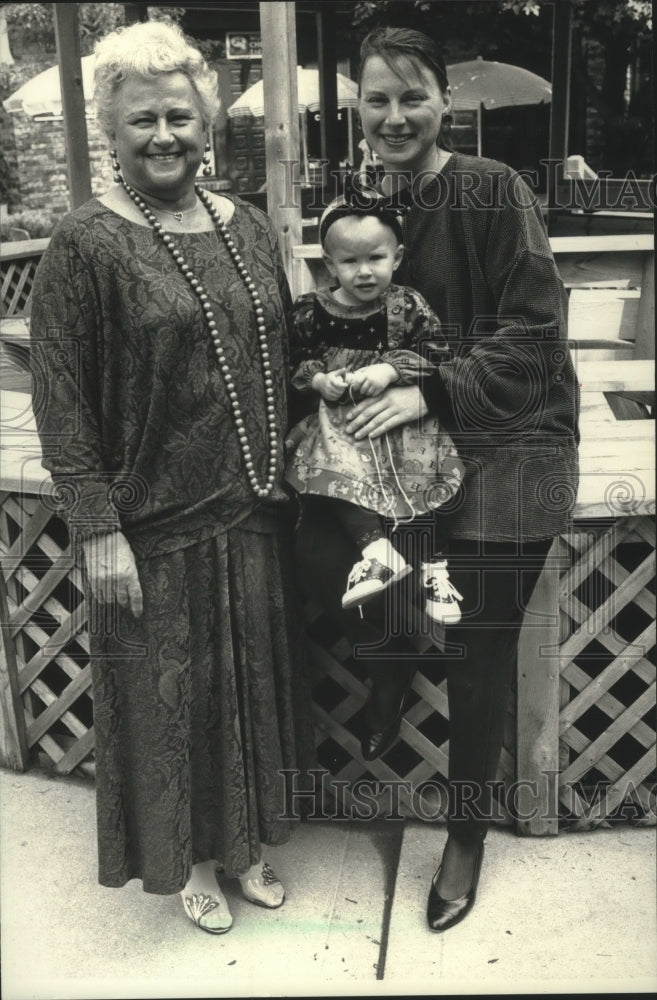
x=360, y=200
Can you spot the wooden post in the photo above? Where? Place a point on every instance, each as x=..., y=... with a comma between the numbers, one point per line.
x=5, y=51
x=537, y=712
x=561, y=61
x=304, y=147
x=644, y=344
x=14, y=753
x=279, y=62
x=73, y=110
x=350, y=137
x=328, y=89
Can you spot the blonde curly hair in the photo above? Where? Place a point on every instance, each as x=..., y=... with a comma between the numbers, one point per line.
x=149, y=49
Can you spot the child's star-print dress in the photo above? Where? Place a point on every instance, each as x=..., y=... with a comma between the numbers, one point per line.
x=407, y=471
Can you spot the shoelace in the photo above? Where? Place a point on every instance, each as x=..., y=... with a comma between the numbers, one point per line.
x=382, y=485
x=442, y=586
x=358, y=571
x=399, y=485
x=268, y=876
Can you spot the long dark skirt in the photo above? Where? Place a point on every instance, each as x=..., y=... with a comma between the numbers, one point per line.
x=197, y=706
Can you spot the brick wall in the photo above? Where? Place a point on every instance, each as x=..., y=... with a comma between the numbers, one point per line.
x=40, y=158
x=10, y=182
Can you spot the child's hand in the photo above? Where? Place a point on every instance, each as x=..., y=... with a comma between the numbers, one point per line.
x=330, y=385
x=372, y=380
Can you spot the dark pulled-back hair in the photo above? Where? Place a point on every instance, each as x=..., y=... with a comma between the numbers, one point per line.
x=403, y=48
x=360, y=199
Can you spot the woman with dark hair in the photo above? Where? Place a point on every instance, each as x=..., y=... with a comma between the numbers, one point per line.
x=477, y=250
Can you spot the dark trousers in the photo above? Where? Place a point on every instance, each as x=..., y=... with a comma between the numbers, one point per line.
x=496, y=580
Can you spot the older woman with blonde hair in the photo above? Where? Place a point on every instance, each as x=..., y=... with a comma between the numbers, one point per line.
x=159, y=346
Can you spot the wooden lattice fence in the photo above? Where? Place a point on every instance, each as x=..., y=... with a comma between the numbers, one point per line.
x=17, y=269
x=607, y=667
x=46, y=625
x=410, y=778
x=606, y=717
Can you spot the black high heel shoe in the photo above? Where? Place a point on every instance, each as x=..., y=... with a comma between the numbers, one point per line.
x=445, y=913
x=377, y=741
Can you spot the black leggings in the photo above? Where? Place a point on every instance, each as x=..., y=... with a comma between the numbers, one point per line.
x=363, y=526
x=496, y=580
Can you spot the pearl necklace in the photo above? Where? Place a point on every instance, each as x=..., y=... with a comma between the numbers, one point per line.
x=208, y=314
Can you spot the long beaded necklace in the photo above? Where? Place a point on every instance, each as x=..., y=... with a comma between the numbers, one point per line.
x=211, y=323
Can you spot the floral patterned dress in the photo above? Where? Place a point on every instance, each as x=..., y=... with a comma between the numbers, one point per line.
x=200, y=702
x=406, y=472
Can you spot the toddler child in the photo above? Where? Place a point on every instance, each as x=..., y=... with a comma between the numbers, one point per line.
x=351, y=342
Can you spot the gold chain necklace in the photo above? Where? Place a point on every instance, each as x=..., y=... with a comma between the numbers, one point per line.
x=178, y=216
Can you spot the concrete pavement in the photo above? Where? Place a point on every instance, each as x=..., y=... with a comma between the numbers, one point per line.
x=66, y=937
x=569, y=914
x=574, y=913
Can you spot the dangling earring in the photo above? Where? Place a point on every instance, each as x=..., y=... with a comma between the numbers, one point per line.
x=116, y=169
x=207, y=169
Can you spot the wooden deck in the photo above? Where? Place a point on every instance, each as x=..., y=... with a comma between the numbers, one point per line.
x=617, y=456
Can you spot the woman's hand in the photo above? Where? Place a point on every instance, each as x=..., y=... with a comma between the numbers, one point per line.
x=112, y=571
x=373, y=417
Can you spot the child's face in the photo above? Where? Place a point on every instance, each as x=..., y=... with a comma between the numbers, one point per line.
x=362, y=253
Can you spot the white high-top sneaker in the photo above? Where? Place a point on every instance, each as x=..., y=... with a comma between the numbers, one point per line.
x=442, y=597
x=380, y=567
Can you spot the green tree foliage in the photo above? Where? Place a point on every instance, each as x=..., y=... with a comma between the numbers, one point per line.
x=606, y=17
x=34, y=22
x=609, y=36
x=31, y=24
x=605, y=14
x=457, y=18
x=489, y=28
x=32, y=41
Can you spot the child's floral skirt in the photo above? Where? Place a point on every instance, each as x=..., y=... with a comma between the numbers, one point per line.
x=410, y=470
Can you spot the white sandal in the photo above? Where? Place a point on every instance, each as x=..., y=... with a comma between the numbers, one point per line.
x=209, y=911
x=260, y=886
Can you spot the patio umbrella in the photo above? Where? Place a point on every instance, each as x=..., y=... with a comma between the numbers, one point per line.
x=480, y=83
x=42, y=94
x=252, y=101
